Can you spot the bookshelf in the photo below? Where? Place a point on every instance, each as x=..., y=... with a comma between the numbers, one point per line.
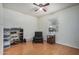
x=6, y=36
x=12, y=36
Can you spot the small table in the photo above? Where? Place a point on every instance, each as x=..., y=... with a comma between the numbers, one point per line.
x=51, y=39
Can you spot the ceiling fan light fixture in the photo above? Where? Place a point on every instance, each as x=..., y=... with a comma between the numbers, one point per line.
x=40, y=9
x=42, y=6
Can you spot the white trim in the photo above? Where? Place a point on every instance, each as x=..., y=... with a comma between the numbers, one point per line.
x=66, y=44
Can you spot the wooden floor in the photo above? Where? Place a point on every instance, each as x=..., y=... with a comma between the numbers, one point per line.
x=30, y=48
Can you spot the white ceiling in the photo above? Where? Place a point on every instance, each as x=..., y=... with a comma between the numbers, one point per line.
x=29, y=8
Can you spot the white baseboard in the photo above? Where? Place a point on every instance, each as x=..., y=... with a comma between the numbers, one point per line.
x=66, y=44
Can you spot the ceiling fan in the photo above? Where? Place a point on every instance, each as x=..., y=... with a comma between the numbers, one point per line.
x=42, y=6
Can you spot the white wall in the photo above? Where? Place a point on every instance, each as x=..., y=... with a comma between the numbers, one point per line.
x=68, y=19
x=1, y=29
x=15, y=19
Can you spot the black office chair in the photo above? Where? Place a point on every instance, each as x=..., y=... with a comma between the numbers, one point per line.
x=38, y=38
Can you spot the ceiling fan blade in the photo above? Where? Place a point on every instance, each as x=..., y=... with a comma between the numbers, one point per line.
x=35, y=4
x=44, y=10
x=36, y=10
x=46, y=4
